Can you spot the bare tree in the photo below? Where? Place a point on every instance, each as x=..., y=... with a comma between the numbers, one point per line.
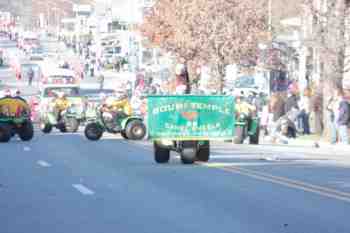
x=217, y=32
x=328, y=35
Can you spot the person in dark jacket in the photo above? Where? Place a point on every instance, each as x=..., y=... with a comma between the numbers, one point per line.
x=343, y=117
x=291, y=102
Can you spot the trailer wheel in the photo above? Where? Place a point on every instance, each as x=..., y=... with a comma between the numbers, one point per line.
x=5, y=133
x=26, y=132
x=203, y=153
x=161, y=155
x=188, y=155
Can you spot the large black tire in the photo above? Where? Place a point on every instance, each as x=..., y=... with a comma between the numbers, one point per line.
x=187, y=160
x=45, y=127
x=135, y=130
x=26, y=132
x=161, y=155
x=203, y=153
x=71, y=125
x=123, y=134
x=188, y=156
x=5, y=133
x=93, y=132
x=188, y=152
x=254, y=139
x=239, y=135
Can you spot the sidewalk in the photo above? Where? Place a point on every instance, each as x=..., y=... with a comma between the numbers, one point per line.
x=305, y=146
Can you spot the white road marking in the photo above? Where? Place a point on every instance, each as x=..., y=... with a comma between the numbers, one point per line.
x=241, y=164
x=43, y=163
x=341, y=184
x=26, y=148
x=83, y=189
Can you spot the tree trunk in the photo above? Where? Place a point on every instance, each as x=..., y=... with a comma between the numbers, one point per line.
x=328, y=92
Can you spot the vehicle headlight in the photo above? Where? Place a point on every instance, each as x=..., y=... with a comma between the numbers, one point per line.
x=76, y=109
x=72, y=110
x=165, y=142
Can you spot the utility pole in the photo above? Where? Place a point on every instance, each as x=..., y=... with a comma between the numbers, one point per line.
x=269, y=15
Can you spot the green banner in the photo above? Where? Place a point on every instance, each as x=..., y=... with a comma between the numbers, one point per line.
x=191, y=117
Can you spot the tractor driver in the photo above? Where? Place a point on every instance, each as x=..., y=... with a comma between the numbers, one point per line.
x=116, y=108
x=61, y=104
x=244, y=107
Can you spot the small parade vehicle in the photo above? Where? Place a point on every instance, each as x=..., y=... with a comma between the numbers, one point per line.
x=130, y=127
x=247, y=126
x=15, y=119
x=71, y=118
x=187, y=123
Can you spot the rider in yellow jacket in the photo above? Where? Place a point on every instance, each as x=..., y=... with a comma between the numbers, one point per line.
x=116, y=108
x=61, y=104
x=244, y=107
x=121, y=105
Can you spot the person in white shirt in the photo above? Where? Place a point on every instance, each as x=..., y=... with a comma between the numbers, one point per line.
x=304, y=114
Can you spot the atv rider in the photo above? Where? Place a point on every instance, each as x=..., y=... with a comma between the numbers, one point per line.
x=115, y=109
x=61, y=104
x=242, y=106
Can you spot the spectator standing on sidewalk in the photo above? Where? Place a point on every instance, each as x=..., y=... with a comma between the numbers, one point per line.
x=343, y=117
x=304, y=114
x=291, y=102
x=30, y=76
x=276, y=110
x=101, y=79
x=92, y=66
x=332, y=109
x=264, y=121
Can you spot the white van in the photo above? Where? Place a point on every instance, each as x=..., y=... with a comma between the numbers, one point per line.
x=53, y=75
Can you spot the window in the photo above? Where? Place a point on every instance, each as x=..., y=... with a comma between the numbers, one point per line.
x=69, y=91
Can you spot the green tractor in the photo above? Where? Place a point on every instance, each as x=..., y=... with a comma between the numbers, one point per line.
x=15, y=119
x=130, y=127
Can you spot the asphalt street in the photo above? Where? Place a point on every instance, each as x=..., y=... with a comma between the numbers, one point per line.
x=65, y=183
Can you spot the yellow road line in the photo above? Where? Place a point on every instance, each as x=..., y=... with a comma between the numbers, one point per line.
x=320, y=190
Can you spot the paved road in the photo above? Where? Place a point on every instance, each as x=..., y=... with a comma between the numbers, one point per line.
x=64, y=183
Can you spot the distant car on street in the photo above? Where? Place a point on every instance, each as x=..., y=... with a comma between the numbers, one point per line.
x=36, y=54
x=50, y=74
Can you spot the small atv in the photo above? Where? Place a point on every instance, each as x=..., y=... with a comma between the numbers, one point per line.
x=68, y=121
x=130, y=127
x=15, y=119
